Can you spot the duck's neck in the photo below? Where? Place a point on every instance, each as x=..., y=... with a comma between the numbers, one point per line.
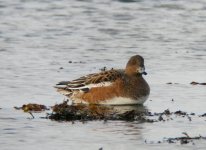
x=138, y=75
x=133, y=74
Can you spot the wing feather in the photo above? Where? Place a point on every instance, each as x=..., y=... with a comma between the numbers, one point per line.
x=95, y=78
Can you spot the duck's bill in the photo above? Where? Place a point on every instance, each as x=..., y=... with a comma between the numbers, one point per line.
x=144, y=73
x=141, y=70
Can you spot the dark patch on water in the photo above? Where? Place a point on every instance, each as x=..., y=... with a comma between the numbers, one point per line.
x=197, y=83
x=9, y=129
x=9, y=118
x=129, y=1
x=76, y=62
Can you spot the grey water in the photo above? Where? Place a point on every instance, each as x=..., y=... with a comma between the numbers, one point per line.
x=39, y=38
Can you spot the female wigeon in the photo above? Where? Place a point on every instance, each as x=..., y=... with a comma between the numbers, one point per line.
x=112, y=87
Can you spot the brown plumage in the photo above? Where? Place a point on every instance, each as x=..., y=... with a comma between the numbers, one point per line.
x=115, y=87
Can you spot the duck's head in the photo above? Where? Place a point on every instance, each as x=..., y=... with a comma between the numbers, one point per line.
x=135, y=65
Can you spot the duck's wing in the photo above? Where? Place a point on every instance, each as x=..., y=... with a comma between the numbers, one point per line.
x=103, y=78
x=83, y=84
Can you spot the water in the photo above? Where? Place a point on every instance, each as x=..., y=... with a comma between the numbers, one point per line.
x=39, y=37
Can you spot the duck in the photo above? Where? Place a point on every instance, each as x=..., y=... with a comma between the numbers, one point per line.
x=109, y=87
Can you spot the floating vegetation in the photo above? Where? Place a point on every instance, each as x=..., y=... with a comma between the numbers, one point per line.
x=193, y=83
x=203, y=115
x=171, y=83
x=65, y=112
x=79, y=62
x=32, y=107
x=185, y=139
x=103, y=68
x=181, y=140
x=80, y=112
x=197, y=83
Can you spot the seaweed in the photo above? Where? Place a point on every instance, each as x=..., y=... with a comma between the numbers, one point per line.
x=184, y=139
x=181, y=140
x=197, y=83
x=80, y=62
x=65, y=112
x=81, y=112
x=203, y=115
x=32, y=107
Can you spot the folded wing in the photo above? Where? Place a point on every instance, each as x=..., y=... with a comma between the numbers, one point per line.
x=85, y=83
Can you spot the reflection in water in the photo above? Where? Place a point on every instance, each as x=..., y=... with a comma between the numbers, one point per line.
x=123, y=130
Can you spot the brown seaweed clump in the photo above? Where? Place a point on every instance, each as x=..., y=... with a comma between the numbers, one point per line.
x=197, y=83
x=32, y=107
x=185, y=139
x=65, y=112
x=181, y=140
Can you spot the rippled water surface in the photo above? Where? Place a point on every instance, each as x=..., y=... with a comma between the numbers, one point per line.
x=39, y=37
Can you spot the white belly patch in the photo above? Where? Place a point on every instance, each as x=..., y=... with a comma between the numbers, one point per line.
x=118, y=101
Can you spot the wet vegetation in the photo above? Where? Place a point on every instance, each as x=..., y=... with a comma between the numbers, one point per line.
x=186, y=139
x=80, y=112
x=197, y=83
x=80, y=62
x=66, y=112
x=32, y=107
x=192, y=83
